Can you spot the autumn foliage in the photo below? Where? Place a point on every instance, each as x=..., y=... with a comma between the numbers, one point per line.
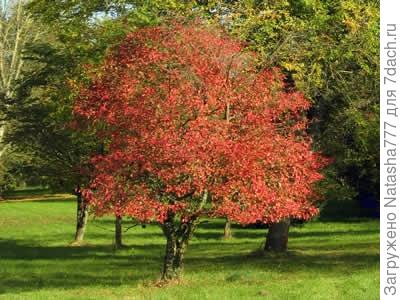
x=192, y=127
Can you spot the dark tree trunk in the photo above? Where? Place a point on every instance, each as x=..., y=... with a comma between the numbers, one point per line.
x=181, y=246
x=169, y=271
x=178, y=235
x=178, y=259
x=277, y=236
x=81, y=216
x=118, y=232
x=177, y=241
x=227, y=230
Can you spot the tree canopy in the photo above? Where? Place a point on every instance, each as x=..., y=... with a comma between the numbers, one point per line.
x=186, y=118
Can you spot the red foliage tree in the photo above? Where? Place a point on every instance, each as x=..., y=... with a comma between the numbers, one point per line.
x=191, y=127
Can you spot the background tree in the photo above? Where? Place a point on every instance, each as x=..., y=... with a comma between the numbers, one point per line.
x=192, y=128
x=17, y=30
x=39, y=116
x=39, y=112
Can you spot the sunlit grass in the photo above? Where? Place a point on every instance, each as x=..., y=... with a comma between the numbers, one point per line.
x=327, y=260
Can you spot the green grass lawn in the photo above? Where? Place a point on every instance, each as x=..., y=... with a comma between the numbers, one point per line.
x=327, y=260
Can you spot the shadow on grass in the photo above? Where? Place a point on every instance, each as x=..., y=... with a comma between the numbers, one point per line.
x=300, y=234
x=210, y=231
x=26, y=267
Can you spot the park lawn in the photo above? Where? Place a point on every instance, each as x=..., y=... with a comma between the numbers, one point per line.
x=327, y=260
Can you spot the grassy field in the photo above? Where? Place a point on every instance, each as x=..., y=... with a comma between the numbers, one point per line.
x=327, y=260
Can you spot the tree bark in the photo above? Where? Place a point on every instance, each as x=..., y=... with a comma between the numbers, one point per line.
x=227, y=230
x=178, y=237
x=177, y=241
x=169, y=272
x=277, y=236
x=178, y=259
x=82, y=216
x=185, y=233
x=118, y=232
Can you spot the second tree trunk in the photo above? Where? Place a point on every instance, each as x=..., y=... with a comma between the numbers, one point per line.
x=277, y=236
x=227, y=230
x=81, y=217
x=118, y=231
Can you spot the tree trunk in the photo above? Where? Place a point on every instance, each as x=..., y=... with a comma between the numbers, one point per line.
x=173, y=260
x=227, y=230
x=169, y=271
x=178, y=236
x=181, y=247
x=277, y=237
x=177, y=242
x=178, y=259
x=118, y=232
x=82, y=217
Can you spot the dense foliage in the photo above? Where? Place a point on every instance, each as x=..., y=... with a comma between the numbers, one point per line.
x=185, y=111
x=17, y=30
